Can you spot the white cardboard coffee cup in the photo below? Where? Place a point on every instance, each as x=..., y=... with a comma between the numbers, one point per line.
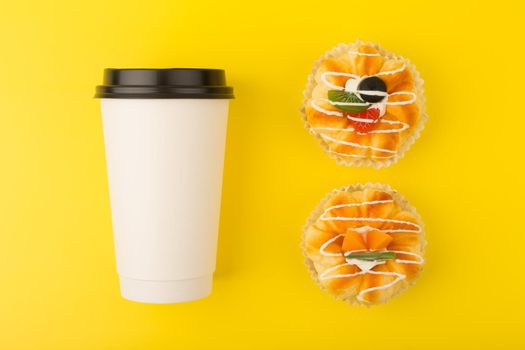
x=164, y=133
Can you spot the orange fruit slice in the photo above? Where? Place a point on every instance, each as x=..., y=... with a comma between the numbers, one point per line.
x=353, y=241
x=377, y=240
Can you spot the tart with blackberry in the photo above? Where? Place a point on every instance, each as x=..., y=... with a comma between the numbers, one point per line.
x=364, y=104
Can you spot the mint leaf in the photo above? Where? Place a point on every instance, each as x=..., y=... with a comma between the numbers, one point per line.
x=371, y=256
x=347, y=97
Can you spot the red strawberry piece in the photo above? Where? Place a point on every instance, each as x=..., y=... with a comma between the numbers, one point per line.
x=364, y=121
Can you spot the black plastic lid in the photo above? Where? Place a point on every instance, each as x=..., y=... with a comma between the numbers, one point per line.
x=164, y=83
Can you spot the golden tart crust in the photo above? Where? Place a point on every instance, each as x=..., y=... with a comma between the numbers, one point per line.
x=364, y=209
x=393, y=133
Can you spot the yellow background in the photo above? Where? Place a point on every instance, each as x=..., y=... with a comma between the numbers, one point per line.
x=58, y=285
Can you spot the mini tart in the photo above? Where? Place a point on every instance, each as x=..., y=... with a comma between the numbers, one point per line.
x=364, y=244
x=356, y=131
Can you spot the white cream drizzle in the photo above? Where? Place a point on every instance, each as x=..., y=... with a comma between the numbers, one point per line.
x=327, y=243
x=386, y=131
x=345, y=218
x=354, y=144
x=347, y=205
x=351, y=86
x=360, y=155
x=395, y=123
x=337, y=74
x=366, y=267
x=363, y=53
x=402, y=103
x=399, y=277
x=393, y=71
x=417, y=228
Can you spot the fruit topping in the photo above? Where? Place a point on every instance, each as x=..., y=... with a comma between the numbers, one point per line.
x=347, y=101
x=375, y=88
x=365, y=120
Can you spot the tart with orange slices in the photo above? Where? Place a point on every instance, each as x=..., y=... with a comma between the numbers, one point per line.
x=364, y=244
x=364, y=104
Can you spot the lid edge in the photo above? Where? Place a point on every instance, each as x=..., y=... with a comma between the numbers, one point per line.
x=165, y=83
